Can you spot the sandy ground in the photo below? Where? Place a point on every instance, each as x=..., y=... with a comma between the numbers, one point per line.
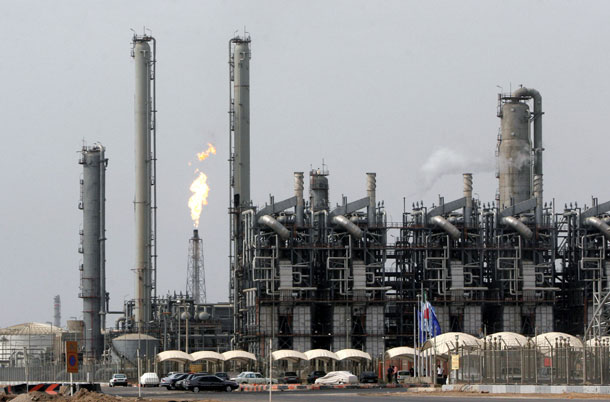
x=458, y=394
x=82, y=396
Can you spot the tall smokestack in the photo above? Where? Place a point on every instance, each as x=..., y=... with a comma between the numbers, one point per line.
x=371, y=186
x=57, y=311
x=92, y=284
x=241, y=104
x=468, y=195
x=144, y=165
x=298, y=192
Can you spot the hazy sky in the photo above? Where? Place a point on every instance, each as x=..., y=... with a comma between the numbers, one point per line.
x=381, y=86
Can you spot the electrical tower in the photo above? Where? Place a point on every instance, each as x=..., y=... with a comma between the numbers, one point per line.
x=195, y=274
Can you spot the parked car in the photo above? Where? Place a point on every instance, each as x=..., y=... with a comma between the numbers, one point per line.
x=170, y=381
x=118, y=379
x=222, y=375
x=402, y=375
x=314, y=375
x=149, y=380
x=338, y=377
x=211, y=383
x=182, y=384
x=368, y=376
x=250, y=377
x=290, y=377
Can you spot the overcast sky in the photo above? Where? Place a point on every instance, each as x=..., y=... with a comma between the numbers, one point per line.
x=386, y=87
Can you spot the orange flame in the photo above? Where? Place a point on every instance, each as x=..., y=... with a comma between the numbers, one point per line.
x=200, y=190
x=203, y=155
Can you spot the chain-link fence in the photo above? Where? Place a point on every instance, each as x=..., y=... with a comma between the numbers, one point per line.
x=88, y=372
x=534, y=364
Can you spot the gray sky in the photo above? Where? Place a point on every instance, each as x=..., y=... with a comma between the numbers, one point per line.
x=366, y=86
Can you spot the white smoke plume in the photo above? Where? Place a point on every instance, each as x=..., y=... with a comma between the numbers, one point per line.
x=445, y=161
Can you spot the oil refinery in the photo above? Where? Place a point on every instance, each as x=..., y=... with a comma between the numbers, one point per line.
x=311, y=272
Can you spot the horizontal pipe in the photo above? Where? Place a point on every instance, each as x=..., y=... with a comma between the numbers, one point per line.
x=348, y=225
x=446, y=226
x=600, y=225
x=519, y=226
x=273, y=224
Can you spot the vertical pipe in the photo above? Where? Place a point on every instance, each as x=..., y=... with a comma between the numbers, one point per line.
x=538, y=196
x=371, y=186
x=298, y=192
x=241, y=82
x=102, y=239
x=142, y=56
x=468, y=195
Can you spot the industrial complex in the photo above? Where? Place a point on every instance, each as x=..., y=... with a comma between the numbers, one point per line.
x=311, y=272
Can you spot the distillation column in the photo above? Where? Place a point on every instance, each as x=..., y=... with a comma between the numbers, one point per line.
x=144, y=160
x=93, y=237
x=241, y=100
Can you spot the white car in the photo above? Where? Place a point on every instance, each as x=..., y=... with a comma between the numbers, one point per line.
x=251, y=377
x=149, y=380
x=118, y=379
x=338, y=377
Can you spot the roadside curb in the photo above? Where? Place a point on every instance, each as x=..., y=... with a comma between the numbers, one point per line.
x=316, y=387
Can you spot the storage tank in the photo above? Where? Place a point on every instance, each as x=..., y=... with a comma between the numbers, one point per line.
x=126, y=346
x=514, y=154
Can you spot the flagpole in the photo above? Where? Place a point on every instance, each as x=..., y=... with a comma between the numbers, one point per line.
x=415, y=332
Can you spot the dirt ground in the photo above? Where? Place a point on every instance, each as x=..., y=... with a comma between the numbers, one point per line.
x=455, y=394
x=81, y=396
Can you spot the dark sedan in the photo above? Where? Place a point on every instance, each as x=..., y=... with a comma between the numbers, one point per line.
x=170, y=381
x=290, y=377
x=314, y=375
x=368, y=376
x=210, y=383
x=183, y=383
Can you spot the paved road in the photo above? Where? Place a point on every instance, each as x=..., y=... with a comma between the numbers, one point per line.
x=343, y=395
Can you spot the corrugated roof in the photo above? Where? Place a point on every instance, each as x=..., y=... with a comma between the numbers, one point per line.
x=404, y=352
x=287, y=354
x=444, y=343
x=604, y=340
x=238, y=355
x=352, y=354
x=32, y=328
x=321, y=354
x=548, y=339
x=208, y=356
x=174, y=356
x=507, y=339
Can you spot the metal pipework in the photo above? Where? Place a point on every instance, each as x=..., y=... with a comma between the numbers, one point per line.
x=142, y=201
x=598, y=224
x=468, y=194
x=371, y=186
x=298, y=192
x=241, y=91
x=446, y=226
x=274, y=225
x=519, y=226
x=348, y=225
x=538, y=196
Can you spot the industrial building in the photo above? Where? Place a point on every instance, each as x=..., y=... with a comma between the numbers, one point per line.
x=309, y=272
